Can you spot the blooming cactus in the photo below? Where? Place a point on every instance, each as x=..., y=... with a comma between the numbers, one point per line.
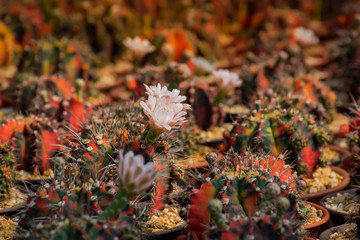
x=276, y=131
x=96, y=146
x=227, y=80
x=247, y=204
x=134, y=175
x=165, y=110
x=305, y=36
x=134, y=178
x=140, y=47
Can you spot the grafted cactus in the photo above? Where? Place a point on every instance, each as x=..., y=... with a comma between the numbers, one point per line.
x=250, y=200
x=6, y=170
x=81, y=228
x=53, y=97
x=58, y=57
x=98, y=142
x=71, y=210
x=68, y=199
x=41, y=93
x=312, y=88
x=32, y=141
x=277, y=130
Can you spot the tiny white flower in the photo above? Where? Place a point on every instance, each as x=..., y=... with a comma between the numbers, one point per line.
x=134, y=175
x=305, y=36
x=226, y=79
x=140, y=47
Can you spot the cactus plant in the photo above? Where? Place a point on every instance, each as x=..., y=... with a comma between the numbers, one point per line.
x=7, y=45
x=312, y=88
x=26, y=19
x=32, y=141
x=69, y=199
x=352, y=134
x=58, y=57
x=246, y=202
x=53, y=97
x=83, y=227
x=298, y=102
x=279, y=130
x=6, y=170
x=38, y=93
x=98, y=142
x=69, y=210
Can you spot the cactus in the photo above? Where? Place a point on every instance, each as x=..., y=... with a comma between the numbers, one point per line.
x=302, y=104
x=6, y=170
x=58, y=57
x=352, y=134
x=98, y=142
x=26, y=19
x=279, y=130
x=246, y=202
x=69, y=199
x=313, y=90
x=203, y=99
x=81, y=228
x=70, y=210
x=39, y=93
x=52, y=97
x=32, y=141
x=7, y=45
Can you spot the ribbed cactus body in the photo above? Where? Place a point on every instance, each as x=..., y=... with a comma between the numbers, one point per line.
x=32, y=141
x=246, y=203
x=279, y=131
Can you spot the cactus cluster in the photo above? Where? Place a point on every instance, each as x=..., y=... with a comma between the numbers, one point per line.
x=246, y=201
x=277, y=131
x=32, y=141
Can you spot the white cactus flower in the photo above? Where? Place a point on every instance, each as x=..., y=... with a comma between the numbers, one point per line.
x=140, y=47
x=202, y=65
x=305, y=36
x=226, y=79
x=164, y=115
x=163, y=93
x=135, y=176
x=165, y=111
